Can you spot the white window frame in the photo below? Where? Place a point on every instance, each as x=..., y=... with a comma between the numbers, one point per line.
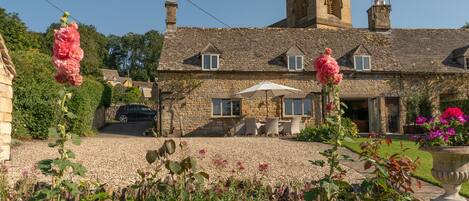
x=302, y=107
x=221, y=108
x=297, y=68
x=363, y=63
x=211, y=65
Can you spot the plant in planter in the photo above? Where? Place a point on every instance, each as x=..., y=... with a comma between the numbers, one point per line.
x=447, y=140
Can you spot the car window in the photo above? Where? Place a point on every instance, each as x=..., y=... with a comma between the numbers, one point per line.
x=146, y=109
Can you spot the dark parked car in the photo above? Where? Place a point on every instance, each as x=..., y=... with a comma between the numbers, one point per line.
x=133, y=112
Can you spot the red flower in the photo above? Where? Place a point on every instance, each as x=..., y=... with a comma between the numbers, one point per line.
x=240, y=166
x=202, y=153
x=452, y=113
x=329, y=107
x=263, y=167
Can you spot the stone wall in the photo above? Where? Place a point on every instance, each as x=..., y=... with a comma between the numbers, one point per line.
x=7, y=74
x=197, y=112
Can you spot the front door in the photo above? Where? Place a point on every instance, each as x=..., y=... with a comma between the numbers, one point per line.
x=357, y=111
x=374, y=114
x=392, y=113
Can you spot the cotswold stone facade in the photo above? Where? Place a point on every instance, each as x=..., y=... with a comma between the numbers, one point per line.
x=382, y=67
x=7, y=73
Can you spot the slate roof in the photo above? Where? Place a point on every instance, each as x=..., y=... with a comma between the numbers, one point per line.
x=110, y=75
x=143, y=84
x=263, y=49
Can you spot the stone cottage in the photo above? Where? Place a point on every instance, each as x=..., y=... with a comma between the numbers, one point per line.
x=381, y=66
x=7, y=73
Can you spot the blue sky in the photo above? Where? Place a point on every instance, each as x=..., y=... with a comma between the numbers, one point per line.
x=122, y=16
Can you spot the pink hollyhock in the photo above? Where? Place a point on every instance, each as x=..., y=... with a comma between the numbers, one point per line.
x=67, y=55
x=327, y=69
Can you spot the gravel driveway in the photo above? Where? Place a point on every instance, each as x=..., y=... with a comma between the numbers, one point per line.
x=115, y=159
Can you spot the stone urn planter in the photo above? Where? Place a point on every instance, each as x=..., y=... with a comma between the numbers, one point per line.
x=451, y=168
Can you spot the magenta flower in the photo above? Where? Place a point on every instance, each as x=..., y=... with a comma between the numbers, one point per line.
x=435, y=134
x=466, y=117
x=420, y=120
x=450, y=132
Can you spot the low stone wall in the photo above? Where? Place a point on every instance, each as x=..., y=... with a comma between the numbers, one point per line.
x=99, y=119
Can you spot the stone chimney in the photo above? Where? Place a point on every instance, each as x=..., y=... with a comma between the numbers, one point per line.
x=171, y=12
x=379, y=16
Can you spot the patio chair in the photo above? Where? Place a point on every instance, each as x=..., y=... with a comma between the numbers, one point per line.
x=294, y=127
x=271, y=126
x=251, y=126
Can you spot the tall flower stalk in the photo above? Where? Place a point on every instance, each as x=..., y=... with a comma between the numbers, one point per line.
x=66, y=58
x=328, y=75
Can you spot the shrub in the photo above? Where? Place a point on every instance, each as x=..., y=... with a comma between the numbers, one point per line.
x=418, y=105
x=34, y=95
x=126, y=95
x=323, y=133
x=85, y=100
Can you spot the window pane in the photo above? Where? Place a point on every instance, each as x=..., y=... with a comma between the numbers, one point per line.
x=216, y=107
x=299, y=63
x=236, y=108
x=366, y=63
x=206, y=62
x=288, y=107
x=298, y=107
x=226, y=107
x=291, y=63
x=358, y=63
x=307, y=107
x=214, y=62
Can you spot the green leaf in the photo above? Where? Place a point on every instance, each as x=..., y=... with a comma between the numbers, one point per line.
x=319, y=163
x=173, y=167
x=151, y=156
x=46, y=167
x=53, y=133
x=199, y=177
x=76, y=140
x=349, y=140
x=71, y=187
x=71, y=115
x=170, y=146
x=53, y=144
x=70, y=154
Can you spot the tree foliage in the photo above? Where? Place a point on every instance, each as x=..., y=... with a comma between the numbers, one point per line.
x=466, y=26
x=135, y=54
x=16, y=33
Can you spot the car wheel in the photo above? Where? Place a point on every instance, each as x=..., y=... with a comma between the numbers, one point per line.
x=123, y=119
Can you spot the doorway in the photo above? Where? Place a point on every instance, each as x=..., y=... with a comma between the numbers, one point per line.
x=393, y=113
x=357, y=110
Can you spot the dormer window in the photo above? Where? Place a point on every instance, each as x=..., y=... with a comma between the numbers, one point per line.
x=294, y=58
x=210, y=61
x=362, y=62
x=210, y=58
x=295, y=63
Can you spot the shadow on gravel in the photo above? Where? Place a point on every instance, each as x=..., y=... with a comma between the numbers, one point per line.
x=131, y=129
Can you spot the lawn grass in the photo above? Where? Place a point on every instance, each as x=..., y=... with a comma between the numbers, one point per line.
x=423, y=171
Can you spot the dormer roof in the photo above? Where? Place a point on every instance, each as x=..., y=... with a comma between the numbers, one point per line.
x=360, y=50
x=210, y=49
x=461, y=52
x=295, y=51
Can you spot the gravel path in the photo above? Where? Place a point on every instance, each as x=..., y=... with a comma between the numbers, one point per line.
x=115, y=159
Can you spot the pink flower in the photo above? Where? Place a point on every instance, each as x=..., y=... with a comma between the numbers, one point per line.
x=201, y=153
x=450, y=132
x=420, y=120
x=67, y=55
x=327, y=69
x=435, y=134
x=329, y=107
x=240, y=165
x=219, y=162
x=183, y=143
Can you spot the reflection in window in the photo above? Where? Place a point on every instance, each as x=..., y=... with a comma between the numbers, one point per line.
x=297, y=107
x=226, y=107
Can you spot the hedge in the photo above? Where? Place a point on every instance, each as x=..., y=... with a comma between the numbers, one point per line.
x=463, y=104
x=36, y=93
x=90, y=96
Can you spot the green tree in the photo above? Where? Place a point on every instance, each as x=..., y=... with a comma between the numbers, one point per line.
x=16, y=33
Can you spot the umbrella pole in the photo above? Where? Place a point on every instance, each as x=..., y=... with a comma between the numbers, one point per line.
x=267, y=104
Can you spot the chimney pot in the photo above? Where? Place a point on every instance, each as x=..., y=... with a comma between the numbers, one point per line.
x=171, y=13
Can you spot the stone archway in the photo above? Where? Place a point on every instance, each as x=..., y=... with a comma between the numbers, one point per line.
x=7, y=74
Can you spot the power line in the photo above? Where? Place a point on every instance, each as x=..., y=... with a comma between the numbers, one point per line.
x=208, y=13
x=61, y=10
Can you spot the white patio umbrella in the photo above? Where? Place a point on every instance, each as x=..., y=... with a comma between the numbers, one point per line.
x=267, y=89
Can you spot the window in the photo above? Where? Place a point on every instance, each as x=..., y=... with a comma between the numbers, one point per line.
x=297, y=107
x=362, y=63
x=334, y=7
x=210, y=61
x=295, y=62
x=226, y=107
